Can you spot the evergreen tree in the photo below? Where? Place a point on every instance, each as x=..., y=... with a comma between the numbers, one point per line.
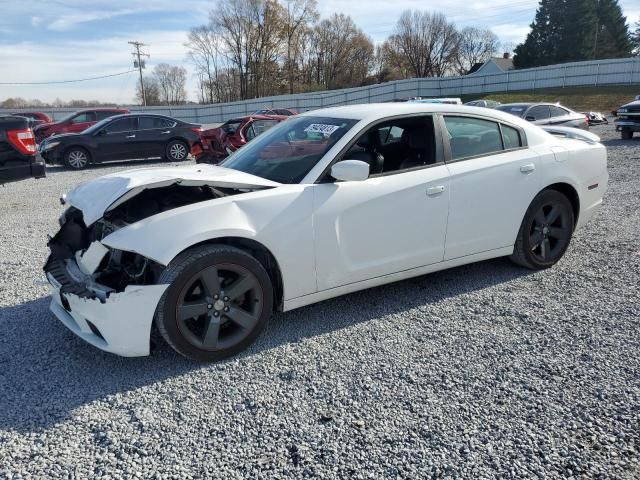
x=574, y=30
x=635, y=39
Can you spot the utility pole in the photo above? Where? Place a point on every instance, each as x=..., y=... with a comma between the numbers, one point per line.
x=140, y=65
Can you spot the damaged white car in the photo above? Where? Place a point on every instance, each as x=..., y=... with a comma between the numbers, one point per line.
x=325, y=203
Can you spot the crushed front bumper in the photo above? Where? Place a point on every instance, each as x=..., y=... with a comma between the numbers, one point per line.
x=120, y=324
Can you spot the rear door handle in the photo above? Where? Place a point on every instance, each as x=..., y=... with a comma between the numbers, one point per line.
x=528, y=168
x=433, y=191
x=130, y=136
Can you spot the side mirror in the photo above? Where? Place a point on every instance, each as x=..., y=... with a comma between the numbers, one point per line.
x=350, y=170
x=101, y=133
x=530, y=118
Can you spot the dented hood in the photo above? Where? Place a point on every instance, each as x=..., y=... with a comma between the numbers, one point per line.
x=97, y=196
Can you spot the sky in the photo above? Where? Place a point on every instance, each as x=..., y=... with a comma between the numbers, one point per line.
x=54, y=40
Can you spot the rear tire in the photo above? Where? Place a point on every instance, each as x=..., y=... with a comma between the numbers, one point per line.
x=218, y=301
x=77, y=158
x=545, y=232
x=627, y=134
x=177, y=151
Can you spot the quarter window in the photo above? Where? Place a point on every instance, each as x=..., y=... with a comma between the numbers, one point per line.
x=470, y=137
x=510, y=137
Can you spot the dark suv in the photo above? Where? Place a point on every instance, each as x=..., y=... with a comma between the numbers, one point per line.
x=18, y=157
x=76, y=122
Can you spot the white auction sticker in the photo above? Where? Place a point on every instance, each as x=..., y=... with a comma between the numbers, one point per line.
x=321, y=128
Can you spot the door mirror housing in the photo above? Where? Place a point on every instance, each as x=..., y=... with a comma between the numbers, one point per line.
x=101, y=133
x=350, y=171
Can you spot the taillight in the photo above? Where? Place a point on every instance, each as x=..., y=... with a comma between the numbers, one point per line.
x=23, y=140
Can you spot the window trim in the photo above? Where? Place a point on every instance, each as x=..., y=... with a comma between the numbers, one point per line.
x=447, y=145
x=440, y=153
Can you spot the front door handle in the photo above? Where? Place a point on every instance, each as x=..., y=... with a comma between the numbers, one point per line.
x=433, y=191
x=130, y=136
x=528, y=168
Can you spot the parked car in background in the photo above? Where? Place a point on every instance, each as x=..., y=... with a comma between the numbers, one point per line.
x=483, y=103
x=220, y=142
x=76, y=122
x=287, y=112
x=326, y=203
x=123, y=137
x=18, y=155
x=546, y=114
x=628, y=119
x=595, y=118
x=36, y=118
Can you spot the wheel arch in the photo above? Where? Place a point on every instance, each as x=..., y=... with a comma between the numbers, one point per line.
x=572, y=195
x=261, y=253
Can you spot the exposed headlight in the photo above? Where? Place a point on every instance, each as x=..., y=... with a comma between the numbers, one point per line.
x=50, y=145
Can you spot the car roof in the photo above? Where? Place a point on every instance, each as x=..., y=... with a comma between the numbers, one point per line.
x=373, y=111
x=142, y=114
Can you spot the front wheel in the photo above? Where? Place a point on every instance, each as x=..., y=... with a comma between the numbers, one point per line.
x=627, y=134
x=218, y=301
x=545, y=232
x=177, y=151
x=76, y=158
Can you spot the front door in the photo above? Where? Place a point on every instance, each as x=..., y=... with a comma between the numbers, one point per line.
x=118, y=142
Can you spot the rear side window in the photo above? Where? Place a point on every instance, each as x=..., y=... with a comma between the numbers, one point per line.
x=258, y=127
x=84, y=117
x=541, y=112
x=148, y=123
x=470, y=137
x=122, y=125
x=510, y=137
x=558, y=112
x=102, y=114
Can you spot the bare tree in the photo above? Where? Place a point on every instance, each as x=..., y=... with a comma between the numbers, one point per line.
x=151, y=92
x=474, y=46
x=298, y=16
x=171, y=82
x=426, y=41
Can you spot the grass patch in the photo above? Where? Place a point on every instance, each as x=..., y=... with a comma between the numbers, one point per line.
x=581, y=99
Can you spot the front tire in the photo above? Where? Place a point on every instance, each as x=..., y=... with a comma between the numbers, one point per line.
x=545, y=231
x=218, y=301
x=627, y=134
x=77, y=158
x=177, y=151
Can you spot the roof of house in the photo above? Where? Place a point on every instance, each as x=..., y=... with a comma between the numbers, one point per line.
x=503, y=64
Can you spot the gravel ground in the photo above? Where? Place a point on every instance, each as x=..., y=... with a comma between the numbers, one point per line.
x=479, y=372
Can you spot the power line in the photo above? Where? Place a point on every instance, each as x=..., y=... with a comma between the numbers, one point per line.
x=137, y=54
x=67, y=81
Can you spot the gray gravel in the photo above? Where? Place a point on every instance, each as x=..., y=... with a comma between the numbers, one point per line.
x=483, y=371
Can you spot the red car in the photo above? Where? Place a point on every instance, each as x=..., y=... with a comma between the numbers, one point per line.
x=76, y=122
x=219, y=142
x=35, y=118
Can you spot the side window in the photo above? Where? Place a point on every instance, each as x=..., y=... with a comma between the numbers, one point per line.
x=84, y=117
x=510, y=137
x=469, y=136
x=148, y=123
x=101, y=114
x=258, y=127
x=122, y=125
x=558, y=112
x=541, y=112
x=396, y=145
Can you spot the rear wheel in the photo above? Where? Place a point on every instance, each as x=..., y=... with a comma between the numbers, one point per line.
x=177, y=151
x=219, y=300
x=76, y=158
x=545, y=232
x=627, y=134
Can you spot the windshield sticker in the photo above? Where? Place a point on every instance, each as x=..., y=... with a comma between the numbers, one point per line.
x=321, y=128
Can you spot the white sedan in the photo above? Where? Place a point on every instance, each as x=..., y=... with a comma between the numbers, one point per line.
x=326, y=203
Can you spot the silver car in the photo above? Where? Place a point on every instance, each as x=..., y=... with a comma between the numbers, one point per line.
x=546, y=114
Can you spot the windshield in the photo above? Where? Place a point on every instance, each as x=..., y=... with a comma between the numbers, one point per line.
x=288, y=151
x=517, y=110
x=97, y=126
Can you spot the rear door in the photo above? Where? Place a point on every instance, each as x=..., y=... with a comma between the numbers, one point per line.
x=153, y=135
x=494, y=177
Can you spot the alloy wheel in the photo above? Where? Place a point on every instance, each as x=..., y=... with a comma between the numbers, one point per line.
x=219, y=306
x=178, y=151
x=77, y=159
x=550, y=231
